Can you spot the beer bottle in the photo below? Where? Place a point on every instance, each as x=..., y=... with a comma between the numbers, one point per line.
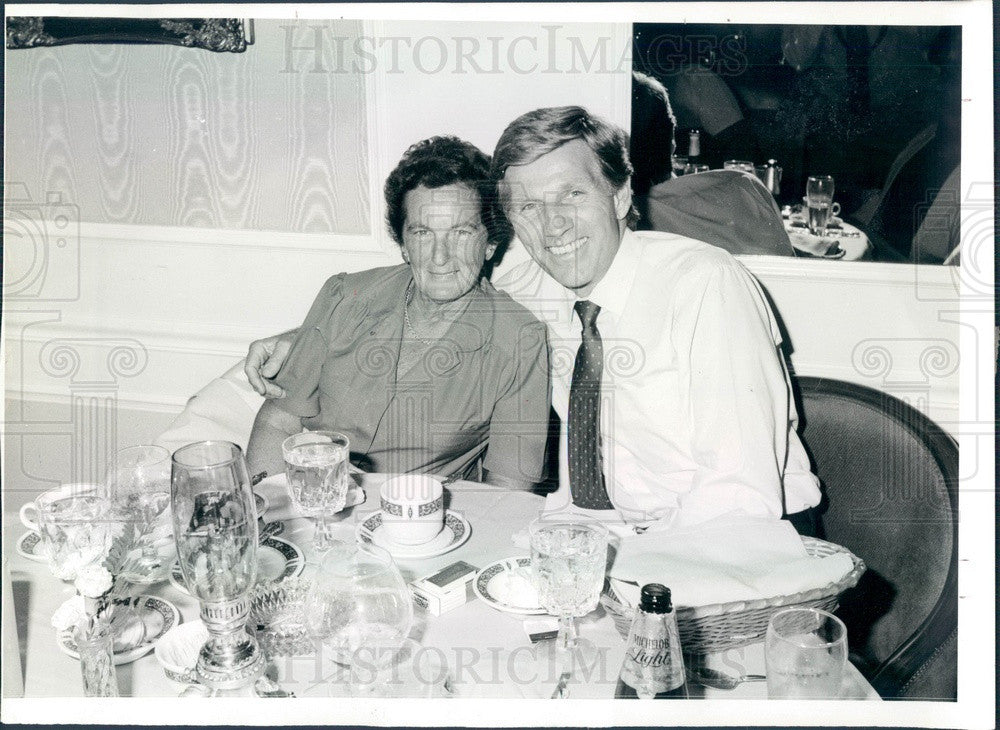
x=654, y=664
x=694, y=146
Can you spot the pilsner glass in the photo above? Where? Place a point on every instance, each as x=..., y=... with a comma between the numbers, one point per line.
x=215, y=527
x=819, y=202
x=568, y=560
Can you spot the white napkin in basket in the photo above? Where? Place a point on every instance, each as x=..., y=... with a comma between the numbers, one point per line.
x=724, y=560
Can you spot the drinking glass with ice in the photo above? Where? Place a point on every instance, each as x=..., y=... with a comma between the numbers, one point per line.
x=318, y=480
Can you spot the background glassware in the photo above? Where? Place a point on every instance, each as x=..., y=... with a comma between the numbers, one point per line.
x=806, y=652
x=215, y=526
x=138, y=486
x=318, y=480
x=740, y=165
x=568, y=559
x=819, y=202
x=358, y=599
x=693, y=168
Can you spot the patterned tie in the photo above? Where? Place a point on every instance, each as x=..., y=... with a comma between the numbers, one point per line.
x=586, y=478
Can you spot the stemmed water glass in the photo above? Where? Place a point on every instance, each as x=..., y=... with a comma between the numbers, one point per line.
x=568, y=560
x=318, y=480
x=359, y=601
x=215, y=527
x=138, y=488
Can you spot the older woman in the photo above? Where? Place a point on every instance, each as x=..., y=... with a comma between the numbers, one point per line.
x=425, y=366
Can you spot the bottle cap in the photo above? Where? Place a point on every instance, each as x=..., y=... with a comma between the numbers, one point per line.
x=655, y=598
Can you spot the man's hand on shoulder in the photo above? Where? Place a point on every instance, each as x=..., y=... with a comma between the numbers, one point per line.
x=264, y=360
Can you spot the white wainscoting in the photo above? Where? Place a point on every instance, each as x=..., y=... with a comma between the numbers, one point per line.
x=894, y=327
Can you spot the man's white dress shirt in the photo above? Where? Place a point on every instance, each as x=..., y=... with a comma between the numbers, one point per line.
x=697, y=418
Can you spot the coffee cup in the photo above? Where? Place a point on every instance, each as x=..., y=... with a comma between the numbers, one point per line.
x=412, y=508
x=30, y=511
x=74, y=524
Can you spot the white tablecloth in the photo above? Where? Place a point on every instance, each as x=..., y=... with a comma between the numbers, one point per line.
x=486, y=649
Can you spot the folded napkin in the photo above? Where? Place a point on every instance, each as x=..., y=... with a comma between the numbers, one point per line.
x=727, y=559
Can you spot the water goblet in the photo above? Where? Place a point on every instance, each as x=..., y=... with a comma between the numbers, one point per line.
x=568, y=560
x=805, y=650
x=215, y=527
x=318, y=480
x=138, y=487
x=358, y=601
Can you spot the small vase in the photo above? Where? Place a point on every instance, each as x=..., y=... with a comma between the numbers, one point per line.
x=95, y=643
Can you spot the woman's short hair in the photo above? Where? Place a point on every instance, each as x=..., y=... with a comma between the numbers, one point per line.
x=539, y=132
x=434, y=163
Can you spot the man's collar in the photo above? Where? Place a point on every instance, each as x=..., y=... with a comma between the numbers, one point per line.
x=612, y=291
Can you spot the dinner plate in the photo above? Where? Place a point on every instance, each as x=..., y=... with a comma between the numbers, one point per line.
x=456, y=531
x=29, y=545
x=158, y=616
x=506, y=585
x=277, y=559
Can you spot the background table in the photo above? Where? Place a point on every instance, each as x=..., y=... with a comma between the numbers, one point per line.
x=852, y=240
x=487, y=650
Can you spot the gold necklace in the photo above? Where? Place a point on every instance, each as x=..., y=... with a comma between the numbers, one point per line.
x=406, y=315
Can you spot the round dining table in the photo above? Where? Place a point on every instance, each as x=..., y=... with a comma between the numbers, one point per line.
x=488, y=652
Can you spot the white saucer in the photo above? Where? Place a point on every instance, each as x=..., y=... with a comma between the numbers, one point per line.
x=493, y=585
x=277, y=559
x=456, y=531
x=158, y=615
x=29, y=545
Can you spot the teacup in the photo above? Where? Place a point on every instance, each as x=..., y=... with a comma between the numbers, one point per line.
x=412, y=508
x=74, y=525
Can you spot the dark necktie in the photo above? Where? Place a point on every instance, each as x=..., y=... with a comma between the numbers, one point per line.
x=586, y=477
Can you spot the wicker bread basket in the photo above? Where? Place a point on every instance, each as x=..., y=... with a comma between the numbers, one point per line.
x=721, y=626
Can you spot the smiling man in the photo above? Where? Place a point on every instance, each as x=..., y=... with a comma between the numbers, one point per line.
x=674, y=398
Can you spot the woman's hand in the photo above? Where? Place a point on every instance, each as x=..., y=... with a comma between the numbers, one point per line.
x=264, y=360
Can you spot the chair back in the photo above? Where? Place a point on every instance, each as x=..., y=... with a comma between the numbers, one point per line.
x=890, y=496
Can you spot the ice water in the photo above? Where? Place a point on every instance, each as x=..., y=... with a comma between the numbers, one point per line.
x=568, y=563
x=804, y=667
x=217, y=550
x=317, y=478
x=819, y=216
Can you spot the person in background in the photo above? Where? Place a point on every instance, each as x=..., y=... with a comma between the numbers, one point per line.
x=678, y=406
x=725, y=208
x=424, y=366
